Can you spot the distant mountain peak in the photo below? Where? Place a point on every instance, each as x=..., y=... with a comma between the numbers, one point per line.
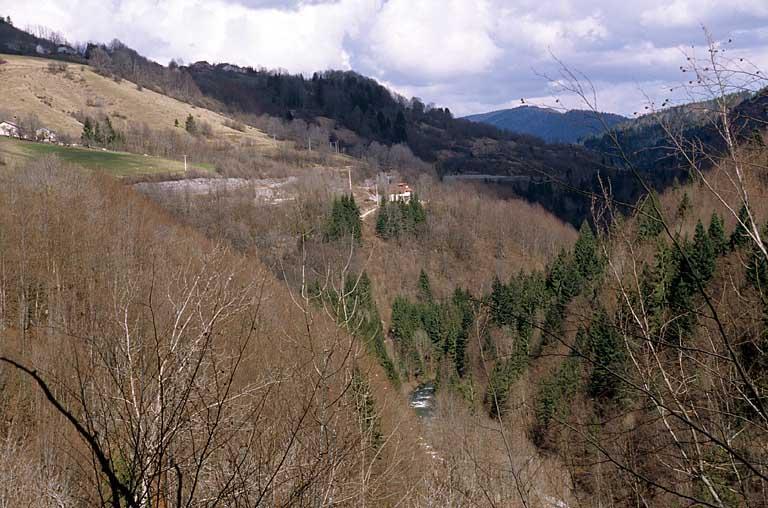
x=549, y=124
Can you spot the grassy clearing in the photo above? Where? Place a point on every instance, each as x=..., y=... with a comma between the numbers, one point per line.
x=29, y=88
x=114, y=163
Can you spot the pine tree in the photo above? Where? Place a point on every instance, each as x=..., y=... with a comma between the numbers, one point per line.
x=557, y=277
x=344, y=220
x=425, y=289
x=757, y=270
x=757, y=266
x=383, y=228
x=367, y=321
x=740, y=236
x=87, y=136
x=608, y=356
x=588, y=261
x=650, y=221
x=702, y=254
x=462, y=301
x=416, y=212
x=716, y=233
x=190, y=124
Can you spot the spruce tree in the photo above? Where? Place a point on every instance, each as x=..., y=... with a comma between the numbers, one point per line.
x=650, y=221
x=702, y=254
x=190, y=124
x=757, y=270
x=383, y=229
x=462, y=301
x=716, y=233
x=344, y=220
x=425, y=289
x=757, y=265
x=588, y=260
x=740, y=236
x=87, y=136
x=608, y=356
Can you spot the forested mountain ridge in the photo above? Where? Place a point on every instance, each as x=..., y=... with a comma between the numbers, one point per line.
x=652, y=141
x=552, y=126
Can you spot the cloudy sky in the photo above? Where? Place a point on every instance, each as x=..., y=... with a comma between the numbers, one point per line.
x=469, y=55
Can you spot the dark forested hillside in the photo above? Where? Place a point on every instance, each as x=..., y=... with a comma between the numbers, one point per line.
x=18, y=42
x=550, y=125
x=354, y=102
x=647, y=143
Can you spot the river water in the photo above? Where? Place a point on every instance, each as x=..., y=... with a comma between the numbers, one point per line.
x=423, y=400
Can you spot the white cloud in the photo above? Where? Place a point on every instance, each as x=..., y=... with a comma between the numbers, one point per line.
x=465, y=54
x=306, y=38
x=686, y=13
x=433, y=39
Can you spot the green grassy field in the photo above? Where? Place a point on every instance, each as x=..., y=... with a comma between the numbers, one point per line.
x=114, y=163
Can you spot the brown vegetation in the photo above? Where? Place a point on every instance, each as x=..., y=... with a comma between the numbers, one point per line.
x=190, y=372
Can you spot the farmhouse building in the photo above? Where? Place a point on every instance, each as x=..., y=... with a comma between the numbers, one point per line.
x=10, y=130
x=400, y=192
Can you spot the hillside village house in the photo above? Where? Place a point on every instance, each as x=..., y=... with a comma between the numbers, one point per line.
x=400, y=192
x=46, y=135
x=9, y=129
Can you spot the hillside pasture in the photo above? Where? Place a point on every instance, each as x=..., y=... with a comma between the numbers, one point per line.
x=119, y=164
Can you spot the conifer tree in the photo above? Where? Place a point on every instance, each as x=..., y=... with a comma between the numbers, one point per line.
x=560, y=277
x=425, y=289
x=461, y=299
x=383, y=228
x=650, y=221
x=588, y=260
x=716, y=233
x=757, y=266
x=87, y=136
x=607, y=351
x=702, y=254
x=740, y=236
x=190, y=124
x=757, y=270
x=344, y=220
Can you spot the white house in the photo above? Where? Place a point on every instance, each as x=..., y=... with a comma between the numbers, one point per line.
x=46, y=135
x=10, y=129
x=400, y=192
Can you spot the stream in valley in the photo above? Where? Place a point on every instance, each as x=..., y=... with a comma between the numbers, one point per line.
x=423, y=400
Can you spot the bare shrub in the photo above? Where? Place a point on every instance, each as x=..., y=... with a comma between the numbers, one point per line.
x=204, y=129
x=234, y=124
x=57, y=67
x=94, y=102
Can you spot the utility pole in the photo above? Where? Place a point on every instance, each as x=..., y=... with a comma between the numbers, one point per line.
x=349, y=175
x=185, y=163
